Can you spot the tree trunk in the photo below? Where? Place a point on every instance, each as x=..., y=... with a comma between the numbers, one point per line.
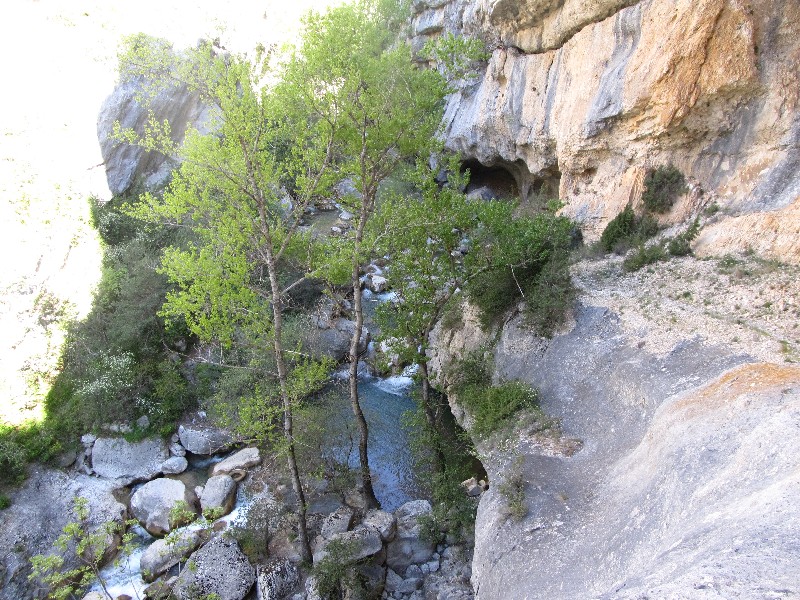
x=358, y=311
x=297, y=485
x=430, y=416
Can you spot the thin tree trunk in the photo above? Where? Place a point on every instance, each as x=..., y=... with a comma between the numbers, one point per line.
x=277, y=312
x=363, y=430
x=430, y=414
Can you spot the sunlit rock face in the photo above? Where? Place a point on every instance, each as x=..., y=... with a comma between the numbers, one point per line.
x=128, y=166
x=591, y=94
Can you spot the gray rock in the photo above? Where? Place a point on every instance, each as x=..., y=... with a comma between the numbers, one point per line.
x=338, y=521
x=127, y=164
x=384, y=522
x=151, y=503
x=334, y=341
x=203, y=439
x=472, y=487
x=276, y=579
x=362, y=542
x=220, y=567
x=88, y=440
x=143, y=422
x=482, y=193
x=219, y=493
x=174, y=465
x=40, y=508
x=243, y=459
x=67, y=459
x=378, y=283
x=165, y=553
x=116, y=458
x=407, y=548
x=176, y=449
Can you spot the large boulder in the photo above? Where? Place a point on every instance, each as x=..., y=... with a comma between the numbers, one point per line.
x=174, y=465
x=202, y=438
x=40, y=508
x=151, y=504
x=361, y=543
x=243, y=459
x=127, y=165
x=408, y=548
x=338, y=521
x=276, y=579
x=219, y=494
x=333, y=338
x=220, y=567
x=116, y=458
x=163, y=554
x=384, y=522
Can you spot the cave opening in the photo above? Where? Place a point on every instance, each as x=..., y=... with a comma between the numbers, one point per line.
x=496, y=181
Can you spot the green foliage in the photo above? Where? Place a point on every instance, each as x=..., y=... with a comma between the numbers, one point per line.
x=662, y=186
x=551, y=296
x=448, y=454
x=457, y=56
x=491, y=407
x=512, y=488
x=680, y=245
x=627, y=230
x=643, y=256
x=22, y=444
x=5, y=502
x=79, y=554
x=525, y=258
x=336, y=574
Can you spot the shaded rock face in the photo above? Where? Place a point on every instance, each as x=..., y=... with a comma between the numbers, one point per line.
x=407, y=548
x=219, y=568
x=588, y=95
x=128, y=165
x=151, y=503
x=682, y=468
x=40, y=509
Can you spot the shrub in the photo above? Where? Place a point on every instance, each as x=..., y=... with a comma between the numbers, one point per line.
x=662, y=186
x=551, y=296
x=619, y=228
x=626, y=230
x=5, y=502
x=492, y=406
x=12, y=462
x=681, y=245
x=644, y=255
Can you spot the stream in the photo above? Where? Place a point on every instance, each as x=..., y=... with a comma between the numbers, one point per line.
x=383, y=401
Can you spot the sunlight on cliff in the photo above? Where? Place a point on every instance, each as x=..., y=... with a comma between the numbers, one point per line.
x=60, y=65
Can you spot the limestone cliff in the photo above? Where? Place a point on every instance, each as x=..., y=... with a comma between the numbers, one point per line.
x=583, y=96
x=672, y=472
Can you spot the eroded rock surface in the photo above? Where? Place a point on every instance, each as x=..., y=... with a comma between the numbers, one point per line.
x=219, y=568
x=579, y=98
x=163, y=554
x=40, y=509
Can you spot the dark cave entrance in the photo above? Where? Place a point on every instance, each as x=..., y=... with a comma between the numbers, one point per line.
x=498, y=179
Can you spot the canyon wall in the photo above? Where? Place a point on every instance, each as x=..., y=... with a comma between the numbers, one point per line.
x=587, y=95
x=669, y=470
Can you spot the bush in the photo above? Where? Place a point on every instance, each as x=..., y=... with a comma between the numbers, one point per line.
x=681, y=245
x=662, y=186
x=644, y=255
x=551, y=296
x=5, y=502
x=492, y=406
x=626, y=230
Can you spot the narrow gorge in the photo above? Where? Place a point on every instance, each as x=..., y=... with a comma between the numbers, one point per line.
x=657, y=456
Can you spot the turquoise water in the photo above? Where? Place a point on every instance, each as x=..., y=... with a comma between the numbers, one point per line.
x=384, y=401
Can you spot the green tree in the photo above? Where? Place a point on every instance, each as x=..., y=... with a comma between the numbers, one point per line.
x=389, y=111
x=84, y=547
x=234, y=275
